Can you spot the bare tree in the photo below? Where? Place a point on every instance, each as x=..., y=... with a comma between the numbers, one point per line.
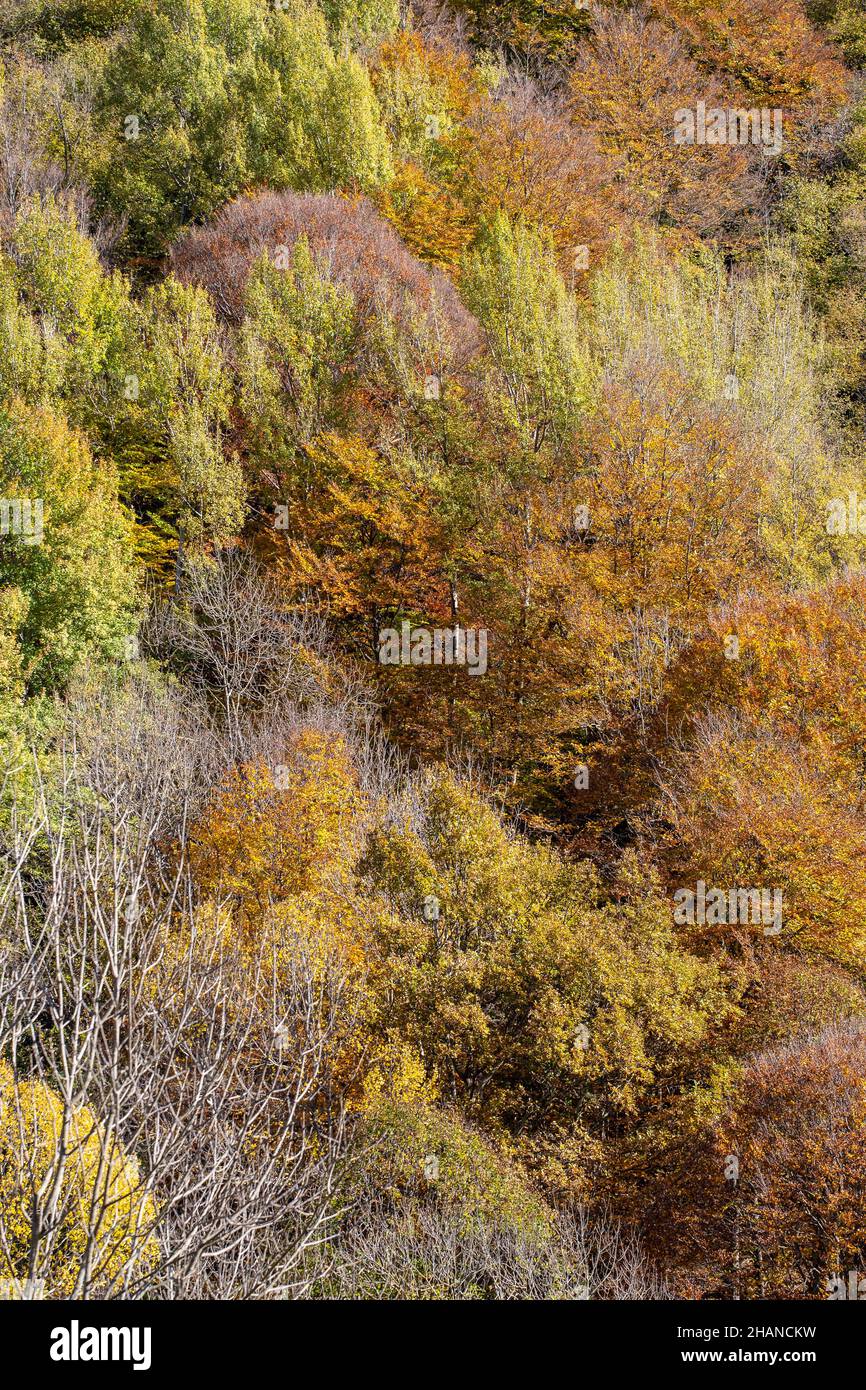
x=169, y=1124
x=427, y=1250
x=261, y=667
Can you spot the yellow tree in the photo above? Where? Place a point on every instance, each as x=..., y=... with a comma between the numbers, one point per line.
x=273, y=830
x=73, y=1204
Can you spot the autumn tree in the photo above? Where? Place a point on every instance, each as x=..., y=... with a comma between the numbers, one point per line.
x=780, y=749
x=94, y=1202
x=511, y=977
x=772, y=51
x=792, y=1208
x=629, y=80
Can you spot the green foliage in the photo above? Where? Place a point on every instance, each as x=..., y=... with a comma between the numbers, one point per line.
x=551, y=28
x=825, y=221
x=145, y=378
x=65, y=332
x=295, y=346
x=540, y=381
x=184, y=394
x=846, y=23
x=470, y=1174
x=169, y=103
x=749, y=346
x=203, y=97
x=317, y=124
x=73, y=593
x=57, y=24
x=362, y=20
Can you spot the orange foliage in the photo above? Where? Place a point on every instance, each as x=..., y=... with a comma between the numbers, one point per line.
x=364, y=537
x=528, y=160
x=272, y=832
x=769, y=47
x=628, y=83
x=434, y=225
x=795, y=1217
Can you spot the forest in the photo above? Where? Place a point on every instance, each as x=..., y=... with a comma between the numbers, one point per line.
x=432, y=651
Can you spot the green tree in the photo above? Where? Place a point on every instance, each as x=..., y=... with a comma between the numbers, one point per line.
x=204, y=96
x=540, y=383
x=295, y=353
x=66, y=331
x=65, y=561
x=186, y=481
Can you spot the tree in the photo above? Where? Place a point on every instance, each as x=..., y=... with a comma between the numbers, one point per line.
x=541, y=379
x=271, y=832
x=350, y=244
x=203, y=98
x=439, y=1213
x=528, y=160
x=66, y=550
x=542, y=1008
x=60, y=23
x=792, y=1220
x=188, y=1141
x=629, y=80
x=771, y=50
x=187, y=479
x=364, y=21
x=296, y=346
x=232, y=638
x=69, y=326
x=845, y=23
x=70, y=1195
x=169, y=103
x=778, y=735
